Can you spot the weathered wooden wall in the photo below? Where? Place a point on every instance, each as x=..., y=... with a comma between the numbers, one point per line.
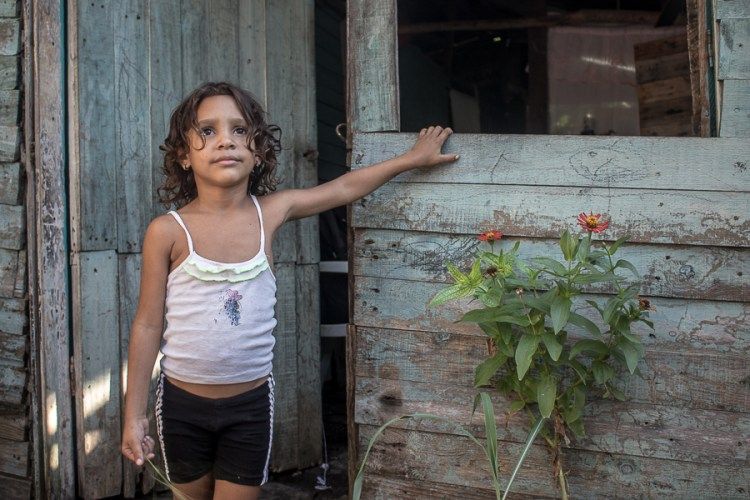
x=685, y=428
x=732, y=34
x=130, y=63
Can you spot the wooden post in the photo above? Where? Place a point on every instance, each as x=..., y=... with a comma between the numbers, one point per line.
x=50, y=286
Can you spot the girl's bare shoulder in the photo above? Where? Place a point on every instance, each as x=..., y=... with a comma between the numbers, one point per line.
x=162, y=233
x=275, y=207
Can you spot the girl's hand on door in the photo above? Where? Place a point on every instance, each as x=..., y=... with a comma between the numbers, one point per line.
x=426, y=152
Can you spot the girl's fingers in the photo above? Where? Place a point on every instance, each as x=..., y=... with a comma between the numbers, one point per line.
x=422, y=132
x=446, y=132
x=429, y=130
x=447, y=158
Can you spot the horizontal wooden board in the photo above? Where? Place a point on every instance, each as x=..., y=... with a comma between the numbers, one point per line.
x=8, y=271
x=663, y=89
x=443, y=458
x=13, y=318
x=15, y=487
x=648, y=216
x=12, y=227
x=661, y=47
x=9, y=107
x=9, y=8
x=735, y=109
x=680, y=271
x=10, y=183
x=678, y=324
x=10, y=37
x=378, y=487
x=14, y=457
x=661, y=68
x=12, y=385
x=685, y=379
x=12, y=350
x=714, y=164
x=9, y=141
x=734, y=49
x=658, y=431
x=13, y=426
x=9, y=72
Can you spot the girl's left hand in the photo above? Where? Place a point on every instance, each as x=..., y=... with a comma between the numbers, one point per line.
x=426, y=151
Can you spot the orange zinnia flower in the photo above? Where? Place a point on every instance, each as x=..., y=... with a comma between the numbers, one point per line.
x=490, y=236
x=592, y=222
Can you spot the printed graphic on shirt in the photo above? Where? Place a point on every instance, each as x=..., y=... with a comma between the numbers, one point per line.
x=231, y=306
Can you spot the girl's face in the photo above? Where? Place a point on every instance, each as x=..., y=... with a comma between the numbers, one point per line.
x=225, y=160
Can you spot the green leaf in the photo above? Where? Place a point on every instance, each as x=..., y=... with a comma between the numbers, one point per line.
x=525, y=353
x=587, y=345
x=577, y=428
x=567, y=245
x=560, y=312
x=582, y=252
x=612, y=304
x=546, y=392
x=612, y=249
x=580, y=370
x=627, y=265
x=526, y=447
x=554, y=348
x=602, y=371
x=632, y=354
x=552, y=264
x=487, y=369
x=584, y=322
x=516, y=406
x=491, y=432
x=594, y=305
x=617, y=393
x=452, y=293
x=496, y=314
x=648, y=322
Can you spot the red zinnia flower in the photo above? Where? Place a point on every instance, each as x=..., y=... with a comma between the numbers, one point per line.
x=490, y=236
x=592, y=222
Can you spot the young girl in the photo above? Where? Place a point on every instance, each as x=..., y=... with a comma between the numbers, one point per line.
x=207, y=270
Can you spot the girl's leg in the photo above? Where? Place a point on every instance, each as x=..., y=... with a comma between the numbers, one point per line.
x=200, y=489
x=224, y=490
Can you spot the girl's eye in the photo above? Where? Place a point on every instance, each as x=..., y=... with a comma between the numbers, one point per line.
x=241, y=130
x=206, y=131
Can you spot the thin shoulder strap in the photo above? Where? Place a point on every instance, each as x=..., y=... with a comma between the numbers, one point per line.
x=260, y=218
x=187, y=233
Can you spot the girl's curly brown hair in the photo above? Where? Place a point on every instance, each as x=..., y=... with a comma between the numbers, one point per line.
x=178, y=187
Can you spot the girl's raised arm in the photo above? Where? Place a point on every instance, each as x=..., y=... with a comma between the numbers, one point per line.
x=298, y=203
x=145, y=337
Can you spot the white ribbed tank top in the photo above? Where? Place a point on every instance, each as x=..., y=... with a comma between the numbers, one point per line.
x=220, y=317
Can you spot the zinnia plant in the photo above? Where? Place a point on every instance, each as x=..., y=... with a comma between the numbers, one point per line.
x=545, y=353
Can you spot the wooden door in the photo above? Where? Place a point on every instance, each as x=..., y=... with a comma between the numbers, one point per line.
x=685, y=204
x=129, y=64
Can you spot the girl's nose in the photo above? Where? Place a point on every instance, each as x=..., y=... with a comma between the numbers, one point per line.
x=225, y=141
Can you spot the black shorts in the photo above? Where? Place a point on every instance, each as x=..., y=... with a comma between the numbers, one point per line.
x=230, y=437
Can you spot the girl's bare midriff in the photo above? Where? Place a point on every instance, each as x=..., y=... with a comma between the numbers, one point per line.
x=216, y=391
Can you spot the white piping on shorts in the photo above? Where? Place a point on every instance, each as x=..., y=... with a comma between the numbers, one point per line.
x=270, y=435
x=159, y=427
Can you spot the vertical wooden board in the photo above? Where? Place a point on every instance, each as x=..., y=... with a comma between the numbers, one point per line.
x=727, y=9
x=96, y=356
x=697, y=40
x=10, y=37
x=166, y=82
x=8, y=269
x=252, y=48
x=10, y=183
x=735, y=112
x=12, y=226
x=10, y=140
x=133, y=102
x=286, y=418
x=309, y=404
x=195, y=39
x=222, y=50
x=734, y=49
x=8, y=72
x=9, y=107
x=279, y=41
x=92, y=130
x=372, y=65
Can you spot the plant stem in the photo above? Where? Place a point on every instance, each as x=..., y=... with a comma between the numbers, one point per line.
x=561, y=481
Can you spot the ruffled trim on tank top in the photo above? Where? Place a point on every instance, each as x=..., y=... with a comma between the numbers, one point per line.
x=218, y=271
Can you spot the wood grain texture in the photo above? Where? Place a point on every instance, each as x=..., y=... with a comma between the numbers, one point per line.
x=194, y=40
x=96, y=356
x=10, y=139
x=222, y=52
x=678, y=324
x=13, y=487
x=734, y=49
x=132, y=131
x=92, y=106
x=10, y=183
x=8, y=72
x=642, y=430
x=14, y=457
x=10, y=37
x=735, y=113
x=653, y=216
x=50, y=264
x=8, y=272
x=12, y=226
x=728, y=9
x=12, y=350
x=10, y=109
x=13, y=318
x=614, y=162
x=698, y=50
x=14, y=426
x=12, y=386
x=252, y=45
x=677, y=271
x=453, y=460
x=372, y=65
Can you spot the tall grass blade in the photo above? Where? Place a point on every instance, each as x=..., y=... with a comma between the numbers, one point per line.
x=529, y=440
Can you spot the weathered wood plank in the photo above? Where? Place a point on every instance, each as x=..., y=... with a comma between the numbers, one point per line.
x=10, y=183
x=166, y=82
x=92, y=101
x=727, y=9
x=96, y=357
x=690, y=379
x=735, y=112
x=644, y=430
x=12, y=385
x=8, y=72
x=651, y=70
x=132, y=113
x=14, y=487
x=621, y=162
x=14, y=426
x=309, y=404
x=8, y=270
x=12, y=350
x=12, y=226
x=734, y=49
x=454, y=460
x=195, y=37
x=14, y=457
x=10, y=109
x=678, y=324
x=50, y=297
x=10, y=139
x=713, y=273
x=252, y=43
x=378, y=487
x=698, y=50
x=286, y=419
x=652, y=216
x=9, y=8
x=10, y=37
x=21, y=286
x=13, y=318
x=372, y=67
x=222, y=50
